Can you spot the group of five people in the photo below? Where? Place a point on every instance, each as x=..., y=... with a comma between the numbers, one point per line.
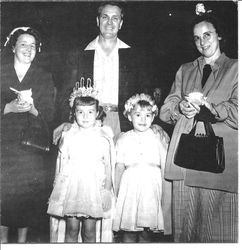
x=124, y=176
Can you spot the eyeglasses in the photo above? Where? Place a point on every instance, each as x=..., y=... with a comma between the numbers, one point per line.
x=206, y=36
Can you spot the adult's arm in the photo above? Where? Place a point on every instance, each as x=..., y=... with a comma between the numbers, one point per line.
x=227, y=110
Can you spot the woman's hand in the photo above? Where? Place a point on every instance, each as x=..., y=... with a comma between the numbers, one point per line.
x=187, y=109
x=210, y=107
x=58, y=131
x=15, y=107
x=33, y=110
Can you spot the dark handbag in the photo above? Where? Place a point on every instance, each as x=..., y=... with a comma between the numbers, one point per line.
x=36, y=137
x=201, y=152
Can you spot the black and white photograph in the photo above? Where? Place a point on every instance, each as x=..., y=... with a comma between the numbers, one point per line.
x=119, y=123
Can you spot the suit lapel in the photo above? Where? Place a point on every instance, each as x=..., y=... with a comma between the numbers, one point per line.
x=85, y=64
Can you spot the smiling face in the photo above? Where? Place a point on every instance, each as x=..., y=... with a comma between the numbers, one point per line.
x=207, y=40
x=86, y=115
x=25, y=49
x=141, y=118
x=110, y=21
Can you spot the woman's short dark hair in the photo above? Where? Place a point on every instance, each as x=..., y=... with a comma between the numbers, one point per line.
x=217, y=24
x=14, y=37
x=87, y=101
x=112, y=3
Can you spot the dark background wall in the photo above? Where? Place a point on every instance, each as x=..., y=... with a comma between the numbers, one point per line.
x=160, y=28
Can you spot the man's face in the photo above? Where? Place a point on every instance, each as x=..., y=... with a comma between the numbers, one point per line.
x=110, y=21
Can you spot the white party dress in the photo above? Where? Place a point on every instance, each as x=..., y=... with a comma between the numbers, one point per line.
x=79, y=183
x=139, y=200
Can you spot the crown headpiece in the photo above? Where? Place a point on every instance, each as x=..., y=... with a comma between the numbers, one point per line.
x=132, y=101
x=200, y=9
x=82, y=89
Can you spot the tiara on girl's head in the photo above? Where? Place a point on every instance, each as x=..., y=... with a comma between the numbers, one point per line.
x=132, y=101
x=81, y=89
x=200, y=9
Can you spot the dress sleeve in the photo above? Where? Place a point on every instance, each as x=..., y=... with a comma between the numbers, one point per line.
x=227, y=110
x=7, y=80
x=169, y=112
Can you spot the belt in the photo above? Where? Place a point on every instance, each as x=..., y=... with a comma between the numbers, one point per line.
x=144, y=165
x=110, y=108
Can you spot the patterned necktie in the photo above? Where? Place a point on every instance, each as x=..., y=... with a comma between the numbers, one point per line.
x=206, y=72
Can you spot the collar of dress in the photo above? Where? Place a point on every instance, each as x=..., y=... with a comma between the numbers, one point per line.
x=200, y=62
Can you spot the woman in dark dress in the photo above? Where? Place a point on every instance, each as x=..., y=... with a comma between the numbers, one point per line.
x=24, y=175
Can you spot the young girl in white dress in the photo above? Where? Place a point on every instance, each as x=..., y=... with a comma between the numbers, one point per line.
x=82, y=188
x=140, y=161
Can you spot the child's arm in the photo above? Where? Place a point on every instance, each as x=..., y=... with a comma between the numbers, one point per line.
x=119, y=169
x=108, y=167
x=106, y=193
x=108, y=180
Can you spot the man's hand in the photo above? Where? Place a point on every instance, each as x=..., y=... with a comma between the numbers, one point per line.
x=161, y=132
x=58, y=131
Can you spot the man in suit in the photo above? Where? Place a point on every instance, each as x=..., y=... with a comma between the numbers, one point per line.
x=116, y=69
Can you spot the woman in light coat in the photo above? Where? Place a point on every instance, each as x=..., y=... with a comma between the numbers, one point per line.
x=205, y=204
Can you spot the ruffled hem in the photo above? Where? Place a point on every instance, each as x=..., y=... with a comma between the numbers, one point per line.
x=55, y=209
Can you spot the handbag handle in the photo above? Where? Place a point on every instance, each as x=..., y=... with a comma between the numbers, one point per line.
x=208, y=128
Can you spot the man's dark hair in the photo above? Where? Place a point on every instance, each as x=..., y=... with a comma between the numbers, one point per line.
x=112, y=3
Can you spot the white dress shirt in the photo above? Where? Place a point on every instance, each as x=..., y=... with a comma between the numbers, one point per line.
x=106, y=71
